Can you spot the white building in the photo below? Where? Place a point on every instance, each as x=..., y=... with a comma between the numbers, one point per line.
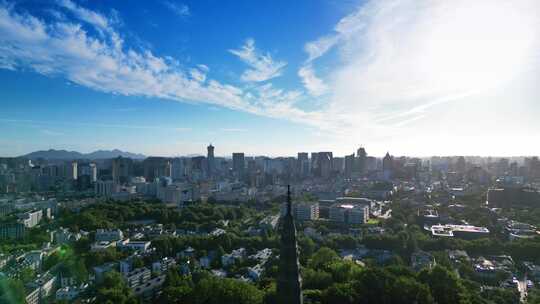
x=31, y=218
x=306, y=211
x=140, y=246
x=349, y=213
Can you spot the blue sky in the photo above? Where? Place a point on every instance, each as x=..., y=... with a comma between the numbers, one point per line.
x=273, y=78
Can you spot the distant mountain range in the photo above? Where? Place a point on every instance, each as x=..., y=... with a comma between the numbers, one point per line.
x=68, y=155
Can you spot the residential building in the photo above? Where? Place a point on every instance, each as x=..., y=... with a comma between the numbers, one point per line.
x=109, y=235
x=349, y=213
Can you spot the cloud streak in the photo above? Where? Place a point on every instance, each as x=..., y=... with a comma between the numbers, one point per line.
x=179, y=9
x=262, y=66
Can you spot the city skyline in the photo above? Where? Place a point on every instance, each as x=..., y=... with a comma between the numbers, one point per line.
x=418, y=79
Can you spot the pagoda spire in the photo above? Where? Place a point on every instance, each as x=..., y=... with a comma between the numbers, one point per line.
x=289, y=284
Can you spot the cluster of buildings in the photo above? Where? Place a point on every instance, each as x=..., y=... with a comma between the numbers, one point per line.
x=20, y=215
x=344, y=210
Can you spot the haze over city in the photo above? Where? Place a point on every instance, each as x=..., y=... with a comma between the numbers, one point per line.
x=166, y=78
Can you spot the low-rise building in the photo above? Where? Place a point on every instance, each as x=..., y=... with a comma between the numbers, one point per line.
x=31, y=218
x=163, y=265
x=100, y=246
x=41, y=288
x=459, y=231
x=109, y=235
x=303, y=211
x=233, y=257
x=150, y=288
x=69, y=293
x=140, y=246
x=349, y=214
x=137, y=277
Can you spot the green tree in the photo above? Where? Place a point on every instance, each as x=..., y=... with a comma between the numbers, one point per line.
x=11, y=291
x=322, y=257
x=444, y=285
x=113, y=290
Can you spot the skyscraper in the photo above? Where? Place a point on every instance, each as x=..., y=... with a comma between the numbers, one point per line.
x=210, y=159
x=121, y=169
x=361, y=161
x=289, y=287
x=238, y=164
x=74, y=173
x=303, y=164
x=93, y=169
x=388, y=166
x=349, y=165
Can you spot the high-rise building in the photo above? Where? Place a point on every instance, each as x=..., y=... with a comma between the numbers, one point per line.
x=388, y=165
x=156, y=167
x=74, y=173
x=93, y=172
x=361, y=161
x=289, y=286
x=121, y=169
x=349, y=165
x=303, y=164
x=210, y=159
x=177, y=168
x=323, y=164
x=238, y=164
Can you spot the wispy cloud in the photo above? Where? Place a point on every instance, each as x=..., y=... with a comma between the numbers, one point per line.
x=233, y=130
x=400, y=59
x=314, y=85
x=262, y=66
x=395, y=61
x=86, y=15
x=179, y=9
x=103, y=62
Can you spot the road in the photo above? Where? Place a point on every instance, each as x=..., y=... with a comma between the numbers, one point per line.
x=522, y=288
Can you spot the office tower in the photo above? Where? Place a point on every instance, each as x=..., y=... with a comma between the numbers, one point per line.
x=74, y=173
x=388, y=166
x=156, y=167
x=177, y=168
x=289, y=287
x=198, y=166
x=121, y=169
x=349, y=165
x=93, y=172
x=210, y=160
x=238, y=164
x=321, y=164
x=361, y=160
x=303, y=164
x=325, y=161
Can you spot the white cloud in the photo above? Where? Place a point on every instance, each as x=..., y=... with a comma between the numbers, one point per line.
x=86, y=15
x=397, y=63
x=105, y=63
x=179, y=9
x=319, y=47
x=263, y=67
x=312, y=83
x=398, y=60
